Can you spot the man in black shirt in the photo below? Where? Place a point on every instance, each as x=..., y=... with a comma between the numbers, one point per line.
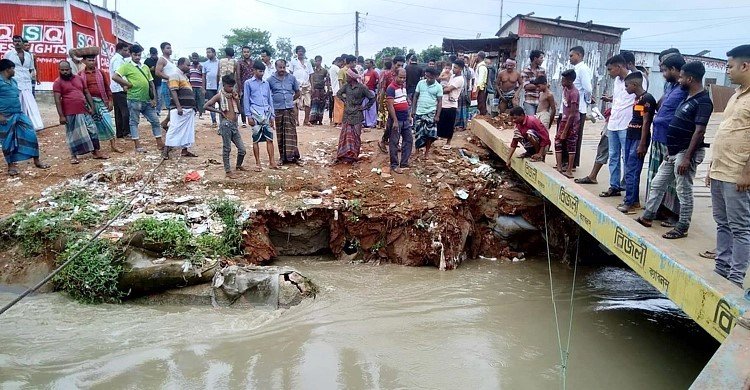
x=153, y=58
x=636, y=140
x=685, y=148
x=414, y=73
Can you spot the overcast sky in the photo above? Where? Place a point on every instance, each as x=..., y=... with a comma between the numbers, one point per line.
x=326, y=27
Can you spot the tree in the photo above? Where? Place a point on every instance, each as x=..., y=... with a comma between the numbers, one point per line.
x=431, y=53
x=284, y=47
x=255, y=38
x=390, y=51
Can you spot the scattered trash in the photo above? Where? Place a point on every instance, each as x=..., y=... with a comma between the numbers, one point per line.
x=376, y=171
x=183, y=199
x=462, y=194
x=488, y=258
x=408, y=186
x=312, y=201
x=509, y=225
x=483, y=170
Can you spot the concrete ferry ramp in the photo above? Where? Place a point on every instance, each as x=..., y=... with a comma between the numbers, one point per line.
x=672, y=266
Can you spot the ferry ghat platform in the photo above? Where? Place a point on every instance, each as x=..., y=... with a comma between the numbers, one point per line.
x=672, y=266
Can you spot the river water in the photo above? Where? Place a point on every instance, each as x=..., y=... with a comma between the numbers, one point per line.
x=487, y=325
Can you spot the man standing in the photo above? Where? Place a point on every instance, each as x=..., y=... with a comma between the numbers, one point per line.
x=211, y=78
x=685, y=151
x=730, y=174
x=673, y=96
x=196, y=80
x=97, y=82
x=17, y=134
x=386, y=79
x=333, y=102
x=583, y=84
x=164, y=70
x=482, y=78
x=530, y=90
x=371, y=79
x=71, y=98
x=141, y=96
x=319, y=80
x=508, y=82
x=245, y=72
x=451, y=94
x=399, y=123
x=265, y=56
x=285, y=91
x=119, y=95
x=181, y=133
x=428, y=98
x=414, y=73
x=23, y=66
x=260, y=113
x=622, y=110
x=353, y=94
x=34, y=77
x=151, y=61
x=301, y=70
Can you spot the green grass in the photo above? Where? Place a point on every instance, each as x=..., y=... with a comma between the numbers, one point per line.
x=228, y=211
x=172, y=235
x=92, y=277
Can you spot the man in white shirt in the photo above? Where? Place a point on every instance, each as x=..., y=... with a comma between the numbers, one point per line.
x=333, y=76
x=119, y=95
x=301, y=70
x=24, y=65
x=482, y=78
x=583, y=84
x=622, y=113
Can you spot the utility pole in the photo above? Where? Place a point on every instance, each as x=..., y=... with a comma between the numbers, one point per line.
x=578, y=9
x=501, y=13
x=356, y=33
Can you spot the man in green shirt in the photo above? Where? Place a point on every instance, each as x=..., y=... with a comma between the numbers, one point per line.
x=136, y=79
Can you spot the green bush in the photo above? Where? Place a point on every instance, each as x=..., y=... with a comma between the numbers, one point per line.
x=228, y=211
x=92, y=276
x=171, y=234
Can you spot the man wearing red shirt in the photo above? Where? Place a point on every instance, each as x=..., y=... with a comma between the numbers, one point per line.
x=531, y=133
x=71, y=98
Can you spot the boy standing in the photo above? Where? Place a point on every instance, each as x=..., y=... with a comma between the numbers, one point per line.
x=258, y=105
x=546, y=107
x=637, y=140
x=228, y=104
x=531, y=133
x=567, y=137
x=398, y=118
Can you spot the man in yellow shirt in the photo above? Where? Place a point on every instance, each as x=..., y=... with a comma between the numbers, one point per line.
x=730, y=174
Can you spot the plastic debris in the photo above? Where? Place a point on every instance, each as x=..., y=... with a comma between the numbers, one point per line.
x=193, y=176
x=462, y=194
x=312, y=201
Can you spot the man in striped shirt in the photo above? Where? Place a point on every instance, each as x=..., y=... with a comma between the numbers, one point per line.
x=399, y=121
x=196, y=81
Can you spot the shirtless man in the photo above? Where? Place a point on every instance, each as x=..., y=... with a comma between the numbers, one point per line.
x=508, y=83
x=229, y=103
x=545, y=111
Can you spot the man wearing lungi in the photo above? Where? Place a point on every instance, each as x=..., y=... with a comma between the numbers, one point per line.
x=284, y=91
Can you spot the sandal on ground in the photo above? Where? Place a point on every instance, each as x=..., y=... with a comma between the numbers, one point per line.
x=187, y=153
x=101, y=157
x=13, y=171
x=140, y=150
x=674, y=234
x=644, y=222
x=258, y=169
x=74, y=161
x=447, y=147
x=275, y=167
x=397, y=170
x=610, y=192
x=42, y=165
x=585, y=180
x=241, y=168
x=382, y=147
x=667, y=224
x=708, y=254
x=566, y=175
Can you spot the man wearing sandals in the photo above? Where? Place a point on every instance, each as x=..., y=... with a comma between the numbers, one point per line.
x=685, y=149
x=73, y=100
x=622, y=113
x=730, y=174
x=17, y=134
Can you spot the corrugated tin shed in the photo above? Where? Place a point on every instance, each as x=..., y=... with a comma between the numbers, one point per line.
x=492, y=45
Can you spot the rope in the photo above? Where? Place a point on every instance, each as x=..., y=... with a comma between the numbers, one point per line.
x=88, y=244
x=564, y=353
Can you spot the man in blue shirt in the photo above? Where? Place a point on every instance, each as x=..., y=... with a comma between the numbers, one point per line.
x=284, y=91
x=258, y=105
x=673, y=96
x=211, y=78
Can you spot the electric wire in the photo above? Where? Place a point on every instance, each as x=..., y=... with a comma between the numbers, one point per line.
x=86, y=246
x=302, y=11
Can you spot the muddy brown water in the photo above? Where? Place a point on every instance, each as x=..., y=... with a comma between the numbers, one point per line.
x=486, y=325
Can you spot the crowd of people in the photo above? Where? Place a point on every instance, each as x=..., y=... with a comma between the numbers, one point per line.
x=669, y=131
x=414, y=105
